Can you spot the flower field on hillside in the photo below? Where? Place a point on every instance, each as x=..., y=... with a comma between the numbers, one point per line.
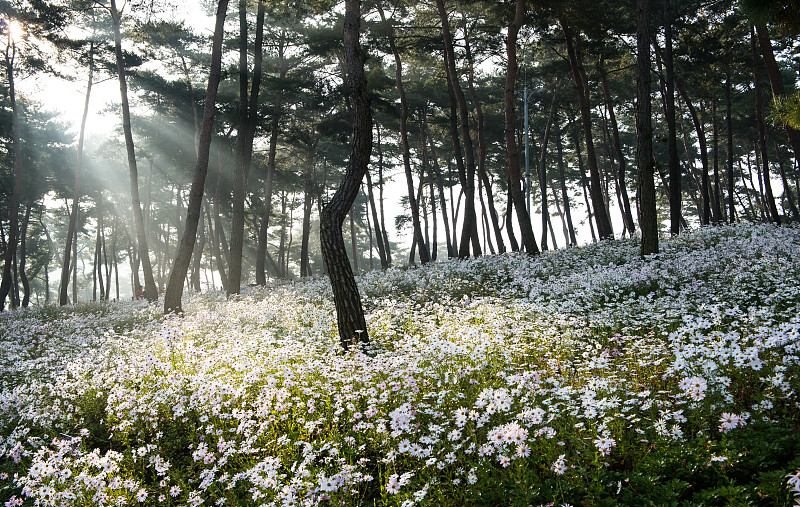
x=586, y=376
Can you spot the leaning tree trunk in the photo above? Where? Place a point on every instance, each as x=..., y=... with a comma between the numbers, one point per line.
x=528, y=239
x=729, y=121
x=277, y=112
x=424, y=253
x=150, y=289
x=648, y=218
x=672, y=139
x=776, y=82
x=627, y=213
x=73, y=216
x=470, y=223
x=762, y=137
x=482, y=148
x=349, y=312
x=172, y=296
x=26, y=286
x=581, y=85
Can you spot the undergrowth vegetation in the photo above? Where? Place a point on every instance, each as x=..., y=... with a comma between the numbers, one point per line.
x=587, y=376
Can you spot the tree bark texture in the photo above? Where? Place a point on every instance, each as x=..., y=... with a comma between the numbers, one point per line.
x=172, y=297
x=510, y=128
x=648, y=218
x=150, y=289
x=595, y=185
x=349, y=312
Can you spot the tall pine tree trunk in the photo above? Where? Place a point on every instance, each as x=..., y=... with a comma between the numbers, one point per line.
x=581, y=84
x=150, y=289
x=172, y=296
x=469, y=233
x=518, y=198
x=772, y=209
x=482, y=173
x=13, y=205
x=648, y=218
x=349, y=312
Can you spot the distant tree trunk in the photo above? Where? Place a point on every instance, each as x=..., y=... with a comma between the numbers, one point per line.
x=308, y=202
x=378, y=234
x=470, y=224
x=380, y=199
x=648, y=218
x=576, y=139
x=509, y=218
x=277, y=113
x=439, y=185
x=246, y=125
x=672, y=140
x=716, y=210
x=349, y=312
x=762, y=136
x=705, y=217
x=518, y=198
x=26, y=286
x=729, y=120
x=787, y=188
x=63, y=299
x=581, y=84
x=114, y=258
x=13, y=205
x=563, y=185
x=776, y=82
x=543, y=170
x=150, y=289
x=424, y=254
x=172, y=296
x=487, y=186
x=197, y=254
x=622, y=170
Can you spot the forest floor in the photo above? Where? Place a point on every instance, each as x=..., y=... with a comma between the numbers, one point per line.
x=586, y=376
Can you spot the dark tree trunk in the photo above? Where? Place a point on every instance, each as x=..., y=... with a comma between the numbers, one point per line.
x=424, y=253
x=13, y=205
x=518, y=198
x=246, y=126
x=705, y=191
x=172, y=297
x=576, y=139
x=787, y=188
x=150, y=289
x=349, y=312
x=308, y=202
x=470, y=224
x=622, y=170
x=482, y=174
x=581, y=84
x=277, y=112
x=729, y=120
x=26, y=286
x=439, y=185
x=543, y=171
x=716, y=210
x=776, y=82
x=563, y=183
x=63, y=299
x=380, y=199
x=378, y=233
x=672, y=140
x=648, y=219
x=772, y=209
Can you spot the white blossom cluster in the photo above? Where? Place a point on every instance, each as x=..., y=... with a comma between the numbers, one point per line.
x=475, y=369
